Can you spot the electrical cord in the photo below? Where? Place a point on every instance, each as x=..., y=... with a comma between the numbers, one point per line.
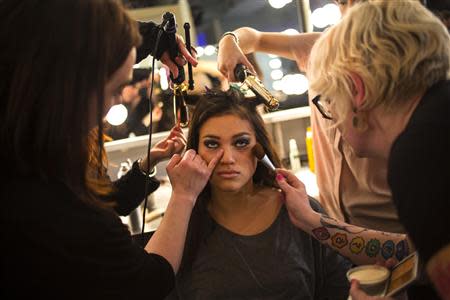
x=150, y=127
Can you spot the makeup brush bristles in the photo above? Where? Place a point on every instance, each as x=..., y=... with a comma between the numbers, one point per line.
x=258, y=150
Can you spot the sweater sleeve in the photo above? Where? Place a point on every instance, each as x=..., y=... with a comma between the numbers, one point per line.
x=149, y=32
x=130, y=190
x=73, y=250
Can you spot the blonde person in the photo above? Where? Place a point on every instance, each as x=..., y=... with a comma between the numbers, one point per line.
x=351, y=189
x=384, y=83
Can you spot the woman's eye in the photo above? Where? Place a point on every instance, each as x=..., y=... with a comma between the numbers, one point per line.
x=242, y=143
x=211, y=144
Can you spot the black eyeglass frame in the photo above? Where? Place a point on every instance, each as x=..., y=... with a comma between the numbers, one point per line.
x=321, y=108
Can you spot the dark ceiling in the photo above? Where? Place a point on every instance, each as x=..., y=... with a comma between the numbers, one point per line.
x=213, y=17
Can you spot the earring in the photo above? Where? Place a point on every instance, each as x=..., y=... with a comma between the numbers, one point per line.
x=359, y=121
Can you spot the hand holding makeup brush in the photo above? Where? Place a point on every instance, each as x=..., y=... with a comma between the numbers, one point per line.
x=296, y=199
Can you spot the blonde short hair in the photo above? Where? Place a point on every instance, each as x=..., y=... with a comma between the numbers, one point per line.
x=398, y=48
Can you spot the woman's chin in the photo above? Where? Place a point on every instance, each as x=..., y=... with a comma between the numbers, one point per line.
x=229, y=187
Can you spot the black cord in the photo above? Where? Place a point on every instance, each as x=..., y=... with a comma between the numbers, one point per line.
x=150, y=127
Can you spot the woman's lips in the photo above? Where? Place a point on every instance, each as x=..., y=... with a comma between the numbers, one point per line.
x=228, y=174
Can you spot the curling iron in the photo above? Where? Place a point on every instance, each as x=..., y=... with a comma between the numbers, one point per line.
x=179, y=86
x=253, y=83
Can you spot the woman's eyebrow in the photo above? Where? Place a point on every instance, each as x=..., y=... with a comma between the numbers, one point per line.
x=212, y=136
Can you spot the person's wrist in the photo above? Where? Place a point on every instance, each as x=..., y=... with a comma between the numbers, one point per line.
x=308, y=221
x=230, y=34
x=183, y=199
x=145, y=169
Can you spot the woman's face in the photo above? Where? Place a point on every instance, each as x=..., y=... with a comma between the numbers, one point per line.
x=120, y=78
x=237, y=138
x=113, y=88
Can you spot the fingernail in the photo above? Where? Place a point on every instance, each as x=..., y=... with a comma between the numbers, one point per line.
x=279, y=177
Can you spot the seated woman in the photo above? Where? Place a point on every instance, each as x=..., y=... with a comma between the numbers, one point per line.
x=241, y=243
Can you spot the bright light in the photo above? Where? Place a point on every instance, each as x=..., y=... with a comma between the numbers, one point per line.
x=272, y=55
x=200, y=51
x=332, y=13
x=117, y=114
x=276, y=74
x=294, y=84
x=327, y=15
x=277, y=85
x=163, y=82
x=290, y=31
x=210, y=50
x=275, y=63
x=279, y=3
x=318, y=18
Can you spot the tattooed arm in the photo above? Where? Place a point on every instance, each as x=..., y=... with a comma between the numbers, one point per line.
x=360, y=245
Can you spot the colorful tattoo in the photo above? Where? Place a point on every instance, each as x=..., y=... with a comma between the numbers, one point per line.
x=387, y=251
x=333, y=223
x=373, y=247
x=339, y=240
x=402, y=250
x=321, y=233
x=357, y=245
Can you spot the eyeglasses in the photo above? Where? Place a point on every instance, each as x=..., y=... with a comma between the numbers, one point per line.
x=323, y=111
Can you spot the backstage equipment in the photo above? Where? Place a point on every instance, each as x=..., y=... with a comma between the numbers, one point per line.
x=256, y=86
x=180, y=88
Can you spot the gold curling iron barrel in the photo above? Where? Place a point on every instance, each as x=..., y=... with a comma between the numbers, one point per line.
x=180, y=109
x=245, y=76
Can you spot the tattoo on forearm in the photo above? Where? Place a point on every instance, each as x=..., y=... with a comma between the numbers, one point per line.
x=373, y=247
x=388, y=249
x=402, y=249
x=339, y=240
x=321, y=233
x=328, y=222
x=357, y=245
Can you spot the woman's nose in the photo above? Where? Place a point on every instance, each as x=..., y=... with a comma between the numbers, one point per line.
x=228, y=155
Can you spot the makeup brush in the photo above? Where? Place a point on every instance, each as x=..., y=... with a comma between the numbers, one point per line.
x=258, y=150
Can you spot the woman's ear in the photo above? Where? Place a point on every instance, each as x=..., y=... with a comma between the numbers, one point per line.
x=359, y=91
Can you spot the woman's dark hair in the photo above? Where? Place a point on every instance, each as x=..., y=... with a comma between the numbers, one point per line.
x=213, y=104
x=55, y=59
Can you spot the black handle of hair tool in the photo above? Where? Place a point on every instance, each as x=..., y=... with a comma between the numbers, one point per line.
x=179, y=87
x=170, y=28
x=187, y=35
x=245, y=76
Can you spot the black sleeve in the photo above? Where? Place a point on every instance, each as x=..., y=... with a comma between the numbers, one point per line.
x=149, y=32
x=71, y=250
x=419, y=175
x=130, y=189
x=123, y=267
